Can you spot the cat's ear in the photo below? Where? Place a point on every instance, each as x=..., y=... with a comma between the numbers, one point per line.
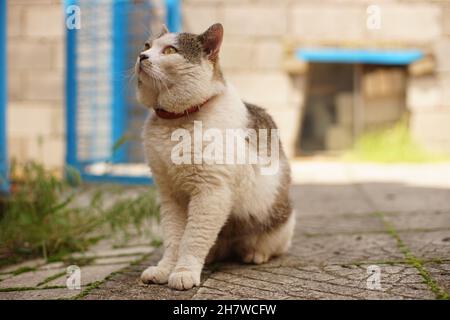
x=164, y=30
x=211, y=40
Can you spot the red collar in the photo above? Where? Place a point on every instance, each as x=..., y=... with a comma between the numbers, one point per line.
x=171, y=115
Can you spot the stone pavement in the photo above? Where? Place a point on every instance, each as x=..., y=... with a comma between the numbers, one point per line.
x=37, y=279
x=351, y=219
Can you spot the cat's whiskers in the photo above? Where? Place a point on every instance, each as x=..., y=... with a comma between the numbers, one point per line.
x=162, y=79
x=131, y=78
x=153, y=75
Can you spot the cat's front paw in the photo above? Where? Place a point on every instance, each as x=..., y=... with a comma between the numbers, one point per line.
x=184, y=279
x=256, y=257
x=155, y=275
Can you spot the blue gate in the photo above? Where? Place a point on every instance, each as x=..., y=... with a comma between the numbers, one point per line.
x=104, y=119
x=4, y=185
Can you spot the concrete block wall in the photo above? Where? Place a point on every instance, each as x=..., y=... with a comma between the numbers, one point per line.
x=253, y=56
x=404, y=24
x=429, y=94
x=35, y=52
x=256, y=33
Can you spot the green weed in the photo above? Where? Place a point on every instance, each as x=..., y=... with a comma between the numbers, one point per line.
x=392, y=145
x=44, y=215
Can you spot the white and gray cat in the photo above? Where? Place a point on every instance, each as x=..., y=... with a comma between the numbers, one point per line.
x=209, y=212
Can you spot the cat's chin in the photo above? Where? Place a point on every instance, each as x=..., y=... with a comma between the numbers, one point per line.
x=144, y=79
x=147, y=99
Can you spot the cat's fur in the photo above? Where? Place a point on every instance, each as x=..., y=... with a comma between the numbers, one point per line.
x=208, y=212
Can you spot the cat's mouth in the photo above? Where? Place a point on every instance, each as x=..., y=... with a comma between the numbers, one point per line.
x=149, y=76
x=145, y=77
x=143, y=70
x=146, y=74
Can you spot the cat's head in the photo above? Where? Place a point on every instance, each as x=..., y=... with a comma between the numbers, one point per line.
x=176, y=71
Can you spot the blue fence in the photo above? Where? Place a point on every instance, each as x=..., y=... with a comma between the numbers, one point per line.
x=173, y=15
x=103, y=118
x=4, y=185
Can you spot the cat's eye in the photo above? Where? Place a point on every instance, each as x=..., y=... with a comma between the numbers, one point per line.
x=169, y=50
x=147, y=46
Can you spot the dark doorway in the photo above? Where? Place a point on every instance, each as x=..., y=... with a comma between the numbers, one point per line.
x=344, y=100
x=325, y=82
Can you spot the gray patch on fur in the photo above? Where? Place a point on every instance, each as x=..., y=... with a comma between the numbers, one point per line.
x=259, y=118
x=281, y=209
x=190, y=47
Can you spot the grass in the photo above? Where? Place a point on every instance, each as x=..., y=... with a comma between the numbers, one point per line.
x=22, y=270
x=95, y=285
x=415, y=262
x=44, y=216
x=392, y=145
x=15, y=289
x=51, y=278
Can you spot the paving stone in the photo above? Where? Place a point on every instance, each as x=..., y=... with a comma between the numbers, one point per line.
x=345, y=249
x=398, y=197
x=329, y=200
x=241, y=288
x=209, y=293
x=29, y=279
x=139, y=240
x=422, y=220
x=90, y=274
x=127, y=285
x=5, y=276
x=131, y=289
x=43, y=294
x=428, y=175
x=96, y=252
x=53, y=265
x=440, y=272
x=117, y=260
x=428, y=245
x=313, y=282
x=285, y=260
x=27, y=264
x=316, y=173
x=337, y=237
x=316, y=225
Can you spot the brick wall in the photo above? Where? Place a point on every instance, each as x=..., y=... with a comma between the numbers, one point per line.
x=35, y=81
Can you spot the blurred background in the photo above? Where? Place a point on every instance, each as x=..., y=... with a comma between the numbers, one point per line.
x=359, y=89
x=360, y=79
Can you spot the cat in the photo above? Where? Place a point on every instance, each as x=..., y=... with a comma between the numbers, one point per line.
x=209, y=212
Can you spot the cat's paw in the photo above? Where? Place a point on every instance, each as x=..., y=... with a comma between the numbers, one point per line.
x=256, y=257
x=184, y=279
x=155, y=274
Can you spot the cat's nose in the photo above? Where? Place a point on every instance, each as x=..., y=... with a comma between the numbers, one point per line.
x=143, y=57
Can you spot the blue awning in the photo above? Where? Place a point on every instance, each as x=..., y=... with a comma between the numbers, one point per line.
x=368, y=56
